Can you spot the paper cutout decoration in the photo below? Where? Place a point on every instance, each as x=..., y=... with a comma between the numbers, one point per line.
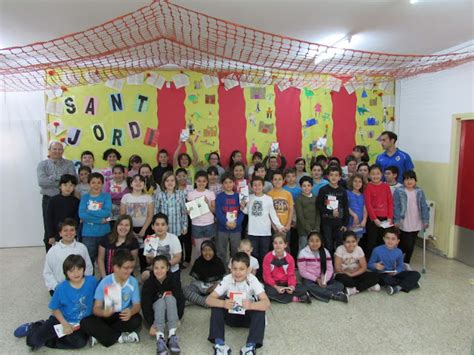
x=230, y=84
x=253, y=148
x=362, y=110
x=116, y=102
x=257, y=93
x=373, y=102
x=117, y=134
x=350, y=88
x=155, y=80
x=141, y=103
x=73, y=136
x=116, y=84
x=98, y=132
x=370, y=134
x=265, y=128
x=364, y=94
x=383, y=86
x=371, y=121
x=317, y=109
x=91, y=105
x=70, y=105
x=197, y=84
x=135, y=79
x=308, y=93
x=388, y=100
x=54, y=93
x=311, y=122
x=252, y=119
x=193, y=98
x=244, y=85
x=283, y=86
x=269, y=112
x=210, y=81
x=56, y=127
x=210, y=99
x=180, y=80
x=151, y=137
x=210, y=131
x=134, y=130
x=55, y=108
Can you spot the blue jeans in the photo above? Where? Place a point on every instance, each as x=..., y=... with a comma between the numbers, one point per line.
x=323, y=293
x=92, y=245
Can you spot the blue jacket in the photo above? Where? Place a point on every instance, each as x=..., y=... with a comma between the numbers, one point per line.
x=400, y=205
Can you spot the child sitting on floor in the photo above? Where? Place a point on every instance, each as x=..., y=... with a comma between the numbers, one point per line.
x=71, y=302
x=316, y=271
x=53, y=271
x=279, y=275
x=163, y=303
x=116, y=312
x=207, y=271
x=387, y=260
x=239, y=301
x=351, y=267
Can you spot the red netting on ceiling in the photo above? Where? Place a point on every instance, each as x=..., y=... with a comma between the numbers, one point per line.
x=162, y=34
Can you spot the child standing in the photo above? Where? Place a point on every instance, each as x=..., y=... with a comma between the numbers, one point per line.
x=203, y=227
x=162, y=167
x=83, y=187
x=279, y=275
x=351, y=267
x=71, y=302
x=391, y=178
x=172, y=202
x=229, y=219
x=261, y=171
x=122, y=237
x=64, y=205
x=163, y=304
x=317, y=172
x=150, y=184
x=290, y=183
x=261, y=214
x=387, y=260
x=183, y=160
x=117, y=188
x=356, y=200
x=379, y=204
x=111, y=156
x=238, y=169
x=108, y=324
x=257, y=158
x=411, y=213
x=207, y=272
x=53, y=272
x=166, y=244
x=214, y=161
x=254, y=302
x=282, y=202
x=316, y=271
x=307, y=215
x=363, y=169
x=300, y=167
x=140, y=207
x=134, y=163
x=95, y=210
x=272, y=165
x=213, y=177
x=332, y=202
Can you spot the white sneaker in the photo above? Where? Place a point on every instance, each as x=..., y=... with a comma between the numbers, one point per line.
x=407, y=267
x=375, y=288
x=221, y=350
x=248, y=350
x=350, y=291
x=94, y=341
x=129, y=338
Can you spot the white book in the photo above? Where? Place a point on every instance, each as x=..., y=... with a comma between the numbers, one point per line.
x=244, y=193
x=113, y=297
x=386, y=224
x=197, y=207
x=333, y=203
x=59, y=329
x=238, y=298
x=231, y=216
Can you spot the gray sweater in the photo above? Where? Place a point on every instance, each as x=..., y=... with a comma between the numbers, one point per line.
x=49, y=172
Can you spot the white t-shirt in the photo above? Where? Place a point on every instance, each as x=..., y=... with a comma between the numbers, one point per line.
x=253, y=263
x=137, y=207
x=207, y=218
x=261, y=215
x=350, y=261
x=251, y=286
x=169, y=247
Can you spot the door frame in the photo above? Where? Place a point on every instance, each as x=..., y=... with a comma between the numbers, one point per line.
x=457, y=119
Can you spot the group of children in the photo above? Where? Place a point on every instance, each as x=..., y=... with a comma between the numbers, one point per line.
x=255, y=228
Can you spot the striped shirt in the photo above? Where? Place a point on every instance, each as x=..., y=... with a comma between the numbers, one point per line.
x=174, y=206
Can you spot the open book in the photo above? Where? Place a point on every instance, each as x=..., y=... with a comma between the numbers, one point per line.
x=197, y=207
x=386, y=224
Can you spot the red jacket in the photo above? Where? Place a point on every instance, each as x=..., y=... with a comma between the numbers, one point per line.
x=279, y=271
x=378, y=201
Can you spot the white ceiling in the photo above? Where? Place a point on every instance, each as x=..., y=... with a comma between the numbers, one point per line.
x=393, y=26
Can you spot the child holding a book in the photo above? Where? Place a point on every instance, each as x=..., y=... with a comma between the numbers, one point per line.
x=117, y=187
x=206, y=272
x=162, y=305
x=356, y=201
x=239, y=301
x=71, y=302
x=316, y=271
x=116, y=312
x=229, y=219
x=279, y=275
x=387, y=261
x=53, y=272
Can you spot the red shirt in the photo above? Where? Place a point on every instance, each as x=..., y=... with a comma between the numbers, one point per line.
x=378, y=201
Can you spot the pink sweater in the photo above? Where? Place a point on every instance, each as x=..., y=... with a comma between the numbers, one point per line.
x=309, y=264
x=279, y=271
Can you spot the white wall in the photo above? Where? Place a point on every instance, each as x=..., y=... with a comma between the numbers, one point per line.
x=425, y=104
x=22, y=146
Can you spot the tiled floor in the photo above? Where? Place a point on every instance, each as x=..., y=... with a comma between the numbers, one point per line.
x=436, y=319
